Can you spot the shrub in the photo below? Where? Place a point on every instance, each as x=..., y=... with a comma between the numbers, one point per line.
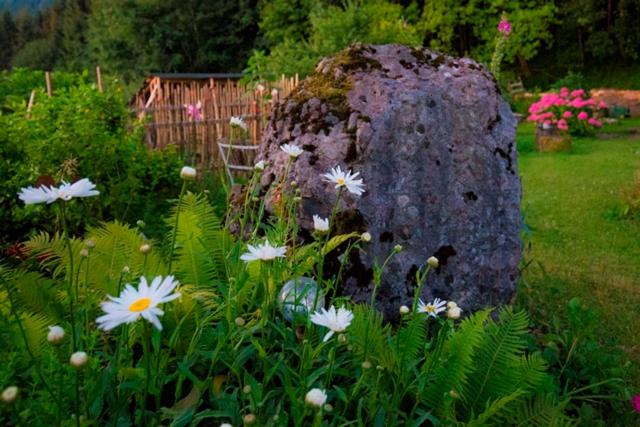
x=80, y=132
x=567, y=111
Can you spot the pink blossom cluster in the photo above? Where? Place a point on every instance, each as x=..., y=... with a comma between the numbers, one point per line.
x=567, y=109
x=504, y=27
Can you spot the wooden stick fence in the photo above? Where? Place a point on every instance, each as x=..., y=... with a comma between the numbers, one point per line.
x=163, y=106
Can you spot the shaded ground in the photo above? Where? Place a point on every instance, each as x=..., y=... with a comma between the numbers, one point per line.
x=579, y=244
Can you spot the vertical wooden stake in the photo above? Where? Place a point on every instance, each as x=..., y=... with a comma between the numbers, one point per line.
x=47, y=79
x=99, y=78
x=30, y=104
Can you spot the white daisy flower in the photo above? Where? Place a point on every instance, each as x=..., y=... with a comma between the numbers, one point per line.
x=432, y=308
x=292, y=150
x=238, y=123
x=81, y=188
x=336, y=321
x=320, y=224
x=43, y=194
x=132, y=303
x=316, y=397
x=345, y=179
x=260, y=165
x=264, y=252
x=66, y=191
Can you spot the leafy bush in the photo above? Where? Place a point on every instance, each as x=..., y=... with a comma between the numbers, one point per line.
x=567, y=111
x=80, y=132
x=226, y=352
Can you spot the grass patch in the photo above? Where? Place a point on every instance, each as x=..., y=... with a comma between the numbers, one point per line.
x=579, y=244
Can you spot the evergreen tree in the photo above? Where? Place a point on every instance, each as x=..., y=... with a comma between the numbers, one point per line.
x=8, y=32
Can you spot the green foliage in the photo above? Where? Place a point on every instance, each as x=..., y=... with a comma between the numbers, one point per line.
x=226, y=351
x=77, y=133
x=330, y=29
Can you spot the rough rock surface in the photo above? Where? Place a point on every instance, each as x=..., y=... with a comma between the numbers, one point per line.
x=434, y=142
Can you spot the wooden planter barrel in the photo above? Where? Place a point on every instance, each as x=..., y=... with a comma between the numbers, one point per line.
x=552, y=140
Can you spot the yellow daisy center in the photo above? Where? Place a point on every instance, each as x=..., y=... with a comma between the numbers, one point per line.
x=340, y=181
x=140, y=305
x=430, y=309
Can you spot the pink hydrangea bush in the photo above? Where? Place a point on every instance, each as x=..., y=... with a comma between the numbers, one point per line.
x=568, y=111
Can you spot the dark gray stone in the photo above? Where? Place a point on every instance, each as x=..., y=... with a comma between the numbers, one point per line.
x=435, y=144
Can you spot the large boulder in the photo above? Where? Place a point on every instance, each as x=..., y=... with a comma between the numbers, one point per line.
x=434, y=142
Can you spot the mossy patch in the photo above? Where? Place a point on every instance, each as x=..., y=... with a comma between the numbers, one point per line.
x=330, y=86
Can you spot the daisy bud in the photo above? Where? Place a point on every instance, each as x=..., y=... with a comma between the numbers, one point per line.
x=255, y=199
x=342, y=338
x=145, y=248
x=404, y=309
x=10, y=394
x=294, y=183
x=327, y=407
x=366, y=365
x=433, y=262
x=454, y=313
x=240, y=321
x=84, y=253
x=380, y=368
x=55, y=335
x=451, y=304
x=315, y=398
x=225, y=425
x=246, y=389
x=397, y=248
x=188, y=173
x=454, y=394
x=260, y=165
x=366, y=236
x=90, y=243
x=79, y=360
x=297, y=199
x=140, y=223
x=249, y=419
x=126, y=269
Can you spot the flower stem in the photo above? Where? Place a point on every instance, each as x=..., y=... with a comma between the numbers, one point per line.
x=147, y=378
x=65, y=231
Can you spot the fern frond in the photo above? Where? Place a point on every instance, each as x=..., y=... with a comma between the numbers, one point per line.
x=456, y=361
x=539, y=411
x=409, y=344
x=497, y=354
x=201, y=243
x=493, y=409
x=117, y=246
x=35, y=328
x=368, y=336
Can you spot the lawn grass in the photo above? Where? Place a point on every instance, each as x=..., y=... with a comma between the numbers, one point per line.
x=580, y=246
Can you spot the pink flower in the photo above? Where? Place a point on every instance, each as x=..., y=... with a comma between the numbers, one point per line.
x=533, y=117
x=504, y=27
x=602, y=105
x=577, y=103
x=547, y=122
x=194, y=111
x=583, y=115
x=635, y=402
x=595, y=122
x=564, y=92
x=562, y=124
x=578, y=92
x=567, y=114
